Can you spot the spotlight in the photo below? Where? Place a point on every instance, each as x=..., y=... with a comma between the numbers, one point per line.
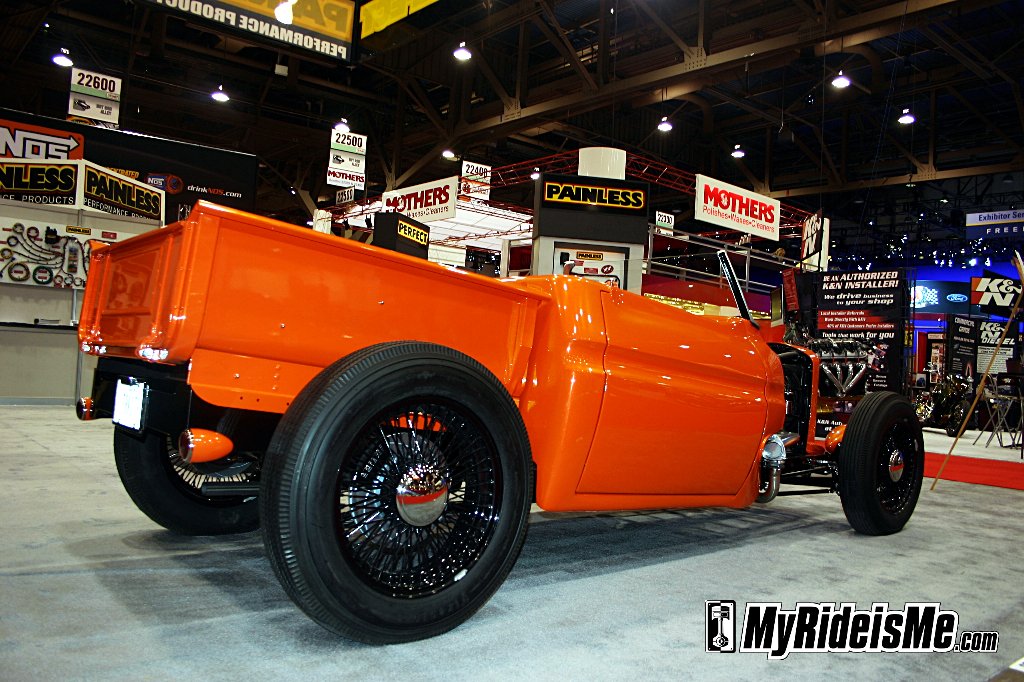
x=973, y=262
x=63, y=58
x=219, y=95
x=448, y=154
x=342, y=126
x=737, y=152
x=665, y=125
x=283, y=11
x=906, y=118
x=462, y=52
x=1007, y=179
x=840, y=81
x=535, y=174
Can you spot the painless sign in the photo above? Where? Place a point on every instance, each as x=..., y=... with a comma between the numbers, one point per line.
x=735, y=208
x=119, y=195
x=39, y=183
x=584, y=193
x=427, y=202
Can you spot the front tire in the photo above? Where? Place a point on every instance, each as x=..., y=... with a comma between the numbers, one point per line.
x=881, y=464
x=395, y=492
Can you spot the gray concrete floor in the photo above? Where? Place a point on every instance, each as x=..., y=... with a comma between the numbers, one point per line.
x=91, y=589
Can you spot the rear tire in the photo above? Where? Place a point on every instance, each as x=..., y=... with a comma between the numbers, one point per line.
x=881, y=464
x=167, y=490
x=395, y=492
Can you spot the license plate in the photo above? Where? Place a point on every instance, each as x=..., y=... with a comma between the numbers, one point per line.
x=130, y=403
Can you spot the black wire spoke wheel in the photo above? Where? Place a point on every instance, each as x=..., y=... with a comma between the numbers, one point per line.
x=419, y=498
x=395, y=493
x=881, y=464
x=902, y=459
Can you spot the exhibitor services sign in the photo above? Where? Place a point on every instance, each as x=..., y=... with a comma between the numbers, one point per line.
x=1008, y=223
x=321, y=26
x=427, y=202
x=736, y=208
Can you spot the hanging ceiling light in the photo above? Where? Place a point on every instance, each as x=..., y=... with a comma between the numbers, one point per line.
x=535, y=174
x=462, y=52
x=737, y=152
x=283, y=11
x=840, y=81
x=906, y=118
x=63, y=58
x=342, y=126
x=219, y=95
x=448, y=154
x=1007, y=179
x=665, y=125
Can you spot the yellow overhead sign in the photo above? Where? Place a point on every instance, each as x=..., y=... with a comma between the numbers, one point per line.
x=377, y=15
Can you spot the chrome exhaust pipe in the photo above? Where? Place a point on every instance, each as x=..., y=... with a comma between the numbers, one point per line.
x=773, y=456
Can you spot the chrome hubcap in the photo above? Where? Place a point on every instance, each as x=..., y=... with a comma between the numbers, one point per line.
x=421, y=496
x=895, y=466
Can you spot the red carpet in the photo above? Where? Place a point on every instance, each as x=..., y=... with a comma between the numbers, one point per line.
x=978, y=470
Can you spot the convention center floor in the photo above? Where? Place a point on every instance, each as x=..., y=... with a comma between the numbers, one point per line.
x=91, y=589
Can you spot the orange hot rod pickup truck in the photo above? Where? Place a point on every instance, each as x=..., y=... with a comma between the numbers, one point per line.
x=387, y=422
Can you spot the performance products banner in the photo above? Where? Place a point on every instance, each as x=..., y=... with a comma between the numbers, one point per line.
x=39, y=183
x=426, y=202
x=867, y=306
x=321, y=26
x=736, y=208
x=79, y=184
x=185, y=172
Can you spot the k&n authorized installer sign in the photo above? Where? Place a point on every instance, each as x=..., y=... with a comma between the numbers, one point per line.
x=322, y=26
x=736, y=208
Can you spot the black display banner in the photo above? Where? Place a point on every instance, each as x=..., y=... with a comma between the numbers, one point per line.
x=962, y=339
x=401, y=233
x=186, y=172
x=869, y=306
x=933, y=296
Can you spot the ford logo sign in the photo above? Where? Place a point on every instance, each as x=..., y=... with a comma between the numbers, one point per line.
x=956, y=298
